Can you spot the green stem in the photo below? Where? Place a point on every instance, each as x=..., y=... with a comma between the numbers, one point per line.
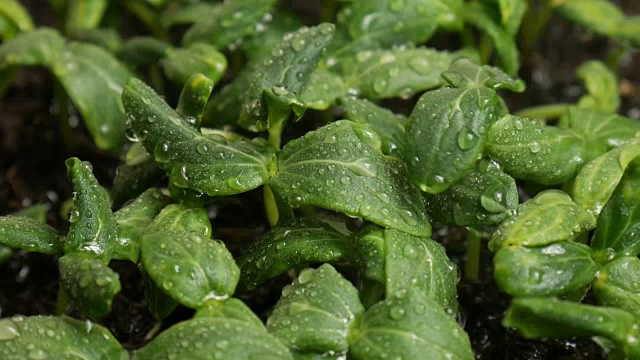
x=155, y=76
x=63, y=300
x=486, y=48
x=270, y=206
x=534, y=24
x=66, y=131
x=148, y=18
x=551, y=111
x=474, y=251
x=277, y=119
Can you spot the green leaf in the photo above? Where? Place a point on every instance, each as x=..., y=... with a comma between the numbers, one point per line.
x=16, y=13
x=602, y=86
x=141, y=50
x=597, y=180
x=457, y=120
x=229, y=23
x=369, y=254
x=340, y=167
x=270, y=33
x=182, y=218
x=618, y=285
x=224, y=106
x=180, y=64
x=132, y=221
x=189, y=267
x=90, y=282
x=29, y=234
x=389, y=126
x=410, y=327
x=280, y=79
x=464, y=73
x=34, y=48
x=484, y=196
x=36, y=212
x=194, y=97
x=601, y=16
x=511, y=13
x=322, y=90
x=548, y=218
x=395, y=73
x=210, y=165
x=227, y=338
x=84, y=14
x=230, y=308
x=603, y=131
x=316, y=312
x=503, y=39
x=619, y=222
x=537, y=318
x=59, y=337
x=131, y=180
x=383, y=23
x=629, y=30
x=93, y=78
x=530, y=151
x=189, y=13
x=160, y=304
x=106, y=38
x=293, y=244
x=93, y=228
x=415, y=264
x=553, y=270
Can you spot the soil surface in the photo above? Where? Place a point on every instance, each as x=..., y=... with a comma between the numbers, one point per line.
x=32, y=171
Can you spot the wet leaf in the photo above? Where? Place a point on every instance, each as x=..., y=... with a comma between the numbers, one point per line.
x=484, y=196
x=602, y=85
x=160, y=304
x=61, y=337
x=280, y=79
x=189, y=13
x=552, y=270
x=274, y=26
x=93, y=230
x=602, y=131
x=340, y=167
x=133, y=220
x=316, y=312
x=228, y=23
x=537, y=318
x=409, y=327
x=511, y=13
x=464, y=73
x=457, y=120
x=189, y=267
x=618, y=285
x=131, y=180
x=179, y=64
x=619, y=222
x=94, y=79
x=29, y=234
x=207, y=164
x=530, y=151
x=322, y=90
x=228, y=338
x=194, y=97
x=230, y=308
x=597, y=180
x=34, y=48
x=550, y=217
x=92, y=285
x=389, y=126
x=141, y=50
x=292, y=244
x=182, y=218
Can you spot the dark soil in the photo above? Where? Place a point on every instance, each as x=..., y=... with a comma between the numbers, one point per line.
x=32, y=171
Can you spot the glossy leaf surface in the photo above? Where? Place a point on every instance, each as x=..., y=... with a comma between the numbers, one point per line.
x=550, y=217
x=618, y=285
x=29, y=234
x=202, y=338
x=160, y=304
x=485, y=196
x=530, y=151
x=322, y=89
x=181, y=63
x=194, y=97
x=619, y=222
x=191, y=159
x=340, y=167
x=60, y=337
x=410, y=327
x=132, y=221
x=94, y=79
x=188, y=275
x=602, y=85
x=280, y=79
x=93, y=228
x=274, y=27
x=465, y=73
x=552, y=270
x=295, y=243
x=316, y=312
x=230, y=308
x=36, y=48
x=389, y=126
x=182, y=218
x=603, y=130
x=92, y=285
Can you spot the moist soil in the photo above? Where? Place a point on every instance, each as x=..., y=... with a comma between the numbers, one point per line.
x=32, y=171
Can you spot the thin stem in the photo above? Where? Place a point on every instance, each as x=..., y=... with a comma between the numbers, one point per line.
x=534, y=24
x=486, y=48
x=63, y=300
x=551, y=111
x=277, y=119
x=270, y=206
x=474, y=251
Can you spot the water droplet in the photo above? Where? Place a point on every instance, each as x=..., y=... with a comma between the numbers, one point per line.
x=410, y=251
x=517, y=123
x=8, y=330
x=202, y=148
x=280, y=90
x=491, y=204
x=298, y=44
x=380, y=85
x=345, y=180
x=131, y=135
x=384, y=197
x=326, y=29
x=305, y=276
x=420, y=65
x=408, y=218
x=397, y=313
x=466, y=139
x=74, y=215
x=534, y=147
x=161, y=152
x=37, y=354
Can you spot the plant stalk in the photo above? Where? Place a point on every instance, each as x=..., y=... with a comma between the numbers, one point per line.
x=474, y=253
x=551, y=111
